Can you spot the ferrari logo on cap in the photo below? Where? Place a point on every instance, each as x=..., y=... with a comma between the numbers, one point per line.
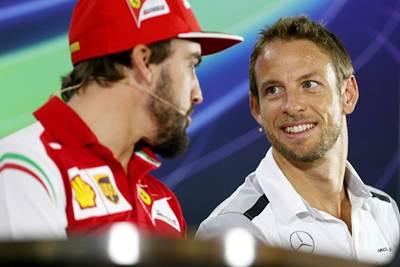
x=145, y=9
x=107, y=187
x=83, y=193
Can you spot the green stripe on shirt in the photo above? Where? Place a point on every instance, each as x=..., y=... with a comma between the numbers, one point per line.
x=30, y=162
x=146, y=157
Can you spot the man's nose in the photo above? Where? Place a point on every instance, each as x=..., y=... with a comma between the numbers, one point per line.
x=197, y=96
x=294, y=103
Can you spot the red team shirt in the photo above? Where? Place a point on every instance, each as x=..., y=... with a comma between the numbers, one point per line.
x=77, y=184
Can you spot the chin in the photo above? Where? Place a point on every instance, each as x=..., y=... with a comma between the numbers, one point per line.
x=173, y=146
x=309, y=157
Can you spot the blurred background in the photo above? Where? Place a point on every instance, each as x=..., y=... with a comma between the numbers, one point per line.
x=225, y=144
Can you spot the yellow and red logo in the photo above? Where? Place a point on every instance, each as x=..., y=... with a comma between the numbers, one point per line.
x=74, y=47
x=145, y=9
x=135, y=3
x=84, y=193
x=144, y=196
x=107, y=187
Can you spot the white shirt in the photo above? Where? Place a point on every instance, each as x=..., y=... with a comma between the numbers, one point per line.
x=268, y=206
x=32, y=194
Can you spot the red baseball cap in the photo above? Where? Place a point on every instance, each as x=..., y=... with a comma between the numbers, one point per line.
x=102, y=27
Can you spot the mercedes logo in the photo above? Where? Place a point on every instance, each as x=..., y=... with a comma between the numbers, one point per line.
x=302, y=241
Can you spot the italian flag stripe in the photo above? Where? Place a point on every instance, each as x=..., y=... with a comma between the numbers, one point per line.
x=147, y=158
x=31, y=165
x=26, y=170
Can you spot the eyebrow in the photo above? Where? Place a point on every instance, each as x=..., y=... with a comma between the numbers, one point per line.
x=303, y=77
x=267, y=83
x=308, y=76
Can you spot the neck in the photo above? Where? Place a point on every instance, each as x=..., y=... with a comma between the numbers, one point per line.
x=108, y=113
x=321, y=182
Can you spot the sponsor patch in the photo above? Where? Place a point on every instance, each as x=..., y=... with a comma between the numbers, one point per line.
x=384, y=249
x=162, y=211
x=74, y=47
x=135, y=3
x=146, y=9
x=302, y=241
x=83, y=193
x=107, y=187
x=144, y=196
x=95, y=193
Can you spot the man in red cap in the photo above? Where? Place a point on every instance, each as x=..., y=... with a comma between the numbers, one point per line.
x=85, y=162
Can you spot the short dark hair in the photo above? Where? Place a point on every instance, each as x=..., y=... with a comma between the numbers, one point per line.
x=301, y=27
x=107, y=69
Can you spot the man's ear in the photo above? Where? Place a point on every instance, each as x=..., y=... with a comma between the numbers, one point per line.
x=255, y=108
x=140, y=60
x=349, y=94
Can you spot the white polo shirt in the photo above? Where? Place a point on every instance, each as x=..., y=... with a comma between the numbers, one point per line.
x=268, y=206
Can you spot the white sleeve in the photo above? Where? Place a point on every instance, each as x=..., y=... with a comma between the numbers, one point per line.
x=395, y=223
x=27, y=210
x=216, y=227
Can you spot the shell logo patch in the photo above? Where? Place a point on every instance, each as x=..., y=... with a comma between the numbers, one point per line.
x=95, y=192
x=84, y=193
x=144, y=196
x=146, y=9
x=107, y=187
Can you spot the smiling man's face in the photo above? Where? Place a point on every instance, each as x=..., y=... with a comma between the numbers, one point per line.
x=299, y=101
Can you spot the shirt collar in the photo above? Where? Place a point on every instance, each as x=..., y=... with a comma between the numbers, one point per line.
x=358, y=192
x=354, y=183
x=67, y=128
x=285, y=202
x=64, y=124
x=143, y=161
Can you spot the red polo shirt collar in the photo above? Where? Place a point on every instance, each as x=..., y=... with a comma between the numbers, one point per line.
x=67, y=128
x=64, y=124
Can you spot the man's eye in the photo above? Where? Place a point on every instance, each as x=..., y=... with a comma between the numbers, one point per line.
x=193, y=65
x=273, y=90
x=310, y=84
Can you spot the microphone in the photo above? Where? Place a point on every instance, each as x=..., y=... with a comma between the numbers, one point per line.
x=164, y=101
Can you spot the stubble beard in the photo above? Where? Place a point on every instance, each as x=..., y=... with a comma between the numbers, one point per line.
x=328, y=138
x=171, y=139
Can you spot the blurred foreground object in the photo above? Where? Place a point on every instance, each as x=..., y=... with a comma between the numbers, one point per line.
x=122, y=245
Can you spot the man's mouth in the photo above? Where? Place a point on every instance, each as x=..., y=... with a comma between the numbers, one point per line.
x=188, y=115
x=189, y=120
x=295, y=129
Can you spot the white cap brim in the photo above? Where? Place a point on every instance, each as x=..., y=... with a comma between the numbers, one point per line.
x=212, y=42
